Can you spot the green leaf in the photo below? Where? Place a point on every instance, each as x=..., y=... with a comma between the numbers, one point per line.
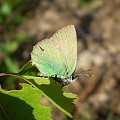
x=70, y=95
x=6, y=9
x=21, y=37
x=38, y=80
x=8, y=46
x=11, y=64
x=54, y=94
x=22, y=105
x=51, y=90
x=29, y=70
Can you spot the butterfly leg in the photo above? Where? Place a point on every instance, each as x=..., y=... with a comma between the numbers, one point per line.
x=55, y=78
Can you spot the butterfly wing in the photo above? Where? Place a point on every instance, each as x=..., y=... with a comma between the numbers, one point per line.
x=47, y=58
x=66, y=38
x=57, y=55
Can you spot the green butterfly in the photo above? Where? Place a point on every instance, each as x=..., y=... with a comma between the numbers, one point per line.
x=56, y=57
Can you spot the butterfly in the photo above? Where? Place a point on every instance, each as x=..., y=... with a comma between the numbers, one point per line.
x=56, y=56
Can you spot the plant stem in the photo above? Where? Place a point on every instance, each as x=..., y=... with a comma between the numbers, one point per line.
x=17, y=75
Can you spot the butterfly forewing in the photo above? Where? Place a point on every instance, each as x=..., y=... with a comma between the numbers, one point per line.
x=66, y=39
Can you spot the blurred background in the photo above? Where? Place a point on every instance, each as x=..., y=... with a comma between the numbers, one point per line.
x=97, y=22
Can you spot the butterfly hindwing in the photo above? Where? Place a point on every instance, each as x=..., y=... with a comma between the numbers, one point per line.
x=46, y=57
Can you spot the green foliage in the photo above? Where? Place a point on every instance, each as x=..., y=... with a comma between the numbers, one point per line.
x=10, y=17
x=44, y=86
x=85, y=2
x=5, y=9
x=11, y=65
x=23, y=105
x=52, y=91
x=10, y=8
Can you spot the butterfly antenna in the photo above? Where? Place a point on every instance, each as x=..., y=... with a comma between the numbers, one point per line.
x=84, y=74
x=85, y=70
